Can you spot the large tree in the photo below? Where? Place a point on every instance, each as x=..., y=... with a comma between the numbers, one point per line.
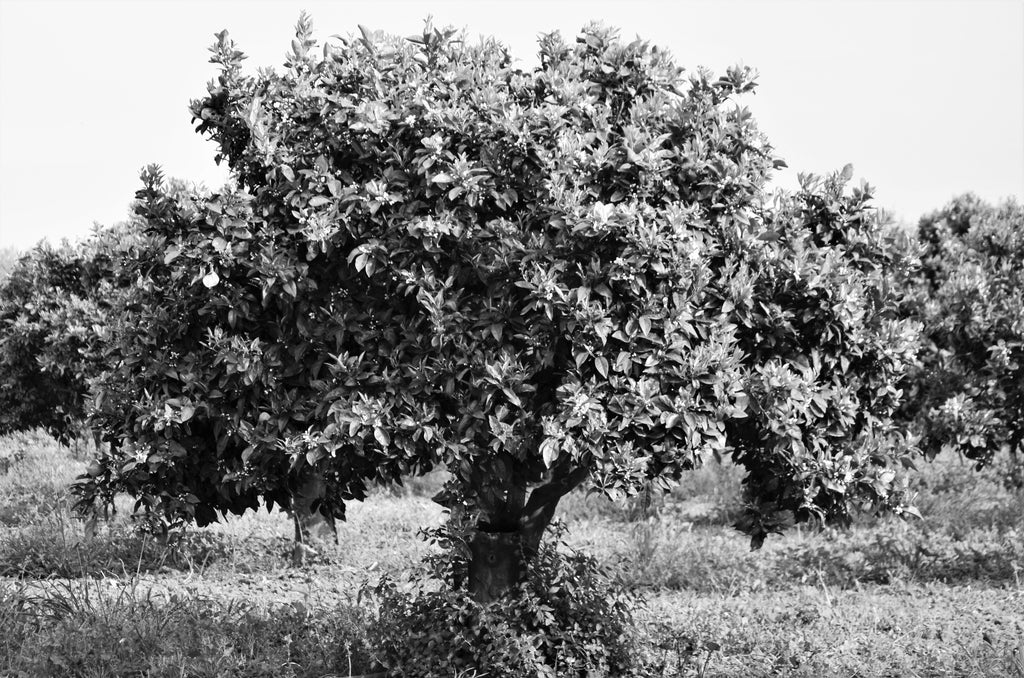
x=545, y=278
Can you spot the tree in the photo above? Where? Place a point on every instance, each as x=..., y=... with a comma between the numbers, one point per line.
x=9, y=257
x=968, y=391
x=53, y=308
x=54, y=311
x=539, y=279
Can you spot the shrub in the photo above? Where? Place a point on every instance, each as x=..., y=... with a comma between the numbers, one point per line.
x=565, y=618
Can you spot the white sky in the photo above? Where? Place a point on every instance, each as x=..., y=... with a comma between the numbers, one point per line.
x=924, y=97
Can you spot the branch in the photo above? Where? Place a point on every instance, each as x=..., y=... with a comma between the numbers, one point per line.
x=540, y=508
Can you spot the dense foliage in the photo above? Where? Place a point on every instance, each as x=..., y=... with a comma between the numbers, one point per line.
x=539, y=279
x=968, y=391
x=53, y=313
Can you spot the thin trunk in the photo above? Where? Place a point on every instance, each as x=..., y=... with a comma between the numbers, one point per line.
x=299, y=537
x=310, y=524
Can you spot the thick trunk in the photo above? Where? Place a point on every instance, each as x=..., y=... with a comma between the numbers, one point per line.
x=496, y=564
x=503, y=546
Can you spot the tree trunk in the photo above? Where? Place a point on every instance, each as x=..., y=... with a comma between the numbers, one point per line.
x=502, y=548
x=496, y=564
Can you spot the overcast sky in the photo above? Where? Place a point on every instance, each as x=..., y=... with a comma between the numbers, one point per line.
x=924, y=97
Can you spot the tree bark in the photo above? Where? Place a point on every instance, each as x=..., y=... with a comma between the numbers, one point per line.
x=496, y=564
x=499, y=556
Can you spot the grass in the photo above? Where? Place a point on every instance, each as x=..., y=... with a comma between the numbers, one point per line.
x=808, y=630
x=91, y=628
x=938, y=597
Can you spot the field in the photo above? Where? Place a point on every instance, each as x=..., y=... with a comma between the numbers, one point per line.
x=937, y=597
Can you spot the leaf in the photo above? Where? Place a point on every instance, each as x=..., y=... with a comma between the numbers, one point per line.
x=171, y=253
x=645, y=325
x=741, y=405
x=288, y=173
x=549, y=451
x=319, y=201
x=847, y=172
x=623, y=362
x=442, y=178
x=512, y=397
x=382, y=436
x=601, y=363
x=367, y=36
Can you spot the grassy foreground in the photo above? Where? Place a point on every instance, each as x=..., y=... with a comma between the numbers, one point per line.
x=938, y=597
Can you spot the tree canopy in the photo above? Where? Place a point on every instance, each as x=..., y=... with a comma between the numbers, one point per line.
x=572, y=274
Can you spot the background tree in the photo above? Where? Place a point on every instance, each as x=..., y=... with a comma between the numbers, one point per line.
x=9, y=256
x=54, y=313
x=968, y=391
x=53, y=310
x=539, y=279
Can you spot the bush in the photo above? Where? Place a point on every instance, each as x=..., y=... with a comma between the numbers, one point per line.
x=565, y=619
